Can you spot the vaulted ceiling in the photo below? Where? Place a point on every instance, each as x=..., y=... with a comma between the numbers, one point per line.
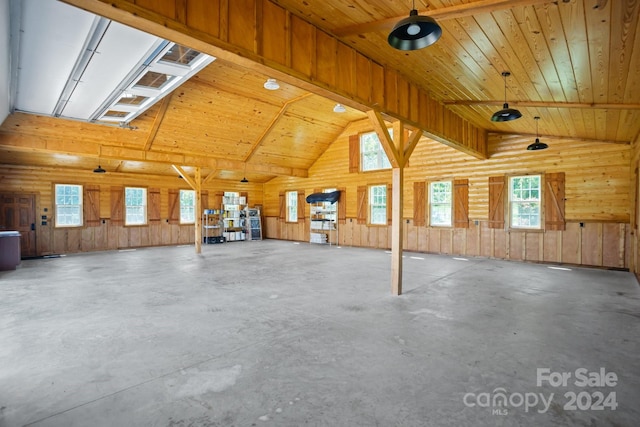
x=574, y=63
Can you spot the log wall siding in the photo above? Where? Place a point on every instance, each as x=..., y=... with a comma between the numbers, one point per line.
x=597, y=192
x=109, y=234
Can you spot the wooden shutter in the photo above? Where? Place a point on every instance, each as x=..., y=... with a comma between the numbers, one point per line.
x=302, y=205
x=362, y=205
x=174, y=206
x=635, y=201
x=389, y=204
x=282, y=216
x=246, y=197
x=92, y=205
x=342, y=206
x=496, y=201
x=154, y=204
x=419, y=203
x=461, y=203
x=354, y=154
x=117, y=205
x=554, y=201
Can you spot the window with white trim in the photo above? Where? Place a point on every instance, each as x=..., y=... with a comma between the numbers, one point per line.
x=525, y=195
x=68, y=205
x=292, y=206
x=135, y=204
x=372, y=155
x=440, y=203
x=378, y=204
x=187, y=207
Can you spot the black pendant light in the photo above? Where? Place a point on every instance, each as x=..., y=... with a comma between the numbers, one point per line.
x=537, y=145
x=244, y=180
x=99, y=170
x=414, y=32
x=506, y=114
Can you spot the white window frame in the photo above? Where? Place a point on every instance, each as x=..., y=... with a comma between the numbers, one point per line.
x=520, y=199
x=135, y=214
x=378, y=204
x=67, y=206
x=370, y=146
x=292, y=206
x=440, y=204
x=187, y=210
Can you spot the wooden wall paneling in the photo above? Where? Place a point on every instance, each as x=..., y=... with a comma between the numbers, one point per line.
x=571, y=243
x=499, y=244
x=74, y=239
x=422, y=239
x=327, y=51
x=404, y=96
x=166, y=8
x=204, y=16
x=486, y=240
x=459, y=236
x=346, y=69
x=591, y=244
x=391, y=90
x=435, y=237
x=135, y=237
x=532, y=246
x=552, y=246
x=363, y=77
x=414, y=103
x=303, y=44
x=242, y=23
x=613, y=245
x=446, y=241
x=275, y=35
x=411, y=242
x=378, y=84
x=342, y=206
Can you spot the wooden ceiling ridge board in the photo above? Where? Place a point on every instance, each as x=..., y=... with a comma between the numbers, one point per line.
x=441, y=14
x=218, y=42
x=274, y=121
x=38, y=143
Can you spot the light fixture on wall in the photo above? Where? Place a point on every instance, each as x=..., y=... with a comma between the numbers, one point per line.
x=339, y=108
x=271, y=84
x=506, y=114
x=99, y=170
x=414, y=32
x=537, y=145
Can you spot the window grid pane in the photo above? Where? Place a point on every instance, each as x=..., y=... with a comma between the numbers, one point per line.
x=440, y=202
x=292, y=206
x=68, y=205
x=135, y=201
x=525, y=197
x=372, y=156
x=378, y=204
x=187, y=206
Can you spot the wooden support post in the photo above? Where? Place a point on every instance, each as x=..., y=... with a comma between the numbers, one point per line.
x=198, y=212
x=397, y=184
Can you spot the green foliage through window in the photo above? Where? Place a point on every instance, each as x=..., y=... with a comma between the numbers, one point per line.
x=524, y=200
x=372, y=156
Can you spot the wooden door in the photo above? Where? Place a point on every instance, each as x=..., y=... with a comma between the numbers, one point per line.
x=18, y=213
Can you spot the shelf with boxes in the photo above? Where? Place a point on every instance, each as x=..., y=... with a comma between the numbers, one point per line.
x=324, y=217
x=234, y=218
x=212, y=225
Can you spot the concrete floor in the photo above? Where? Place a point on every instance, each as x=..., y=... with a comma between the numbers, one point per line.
x=274, y=333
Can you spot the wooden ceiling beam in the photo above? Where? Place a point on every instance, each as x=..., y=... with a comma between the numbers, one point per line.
x=36, y=143
x=543, y=104
x=157, y=121
x=452, y=12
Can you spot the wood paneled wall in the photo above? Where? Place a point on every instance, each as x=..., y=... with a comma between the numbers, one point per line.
x=107, y=235
x=597, y=206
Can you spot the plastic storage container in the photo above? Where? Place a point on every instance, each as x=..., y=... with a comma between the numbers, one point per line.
x=9, y=250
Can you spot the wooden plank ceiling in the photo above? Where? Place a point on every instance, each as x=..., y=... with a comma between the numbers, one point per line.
x=574, y=63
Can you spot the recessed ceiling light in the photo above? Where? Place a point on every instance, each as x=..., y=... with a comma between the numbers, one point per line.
x=271, y=84
x=339, y=108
